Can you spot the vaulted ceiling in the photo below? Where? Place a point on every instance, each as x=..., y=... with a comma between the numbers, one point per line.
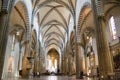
x=53, y=19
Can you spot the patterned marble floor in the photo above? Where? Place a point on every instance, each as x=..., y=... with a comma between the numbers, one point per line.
x=52, y=78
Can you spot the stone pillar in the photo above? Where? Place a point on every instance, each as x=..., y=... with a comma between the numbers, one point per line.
x=39, y=65
x=66, y=64
x=66, y=61
x=76, y=48
x=69, y=65
x=62, y=64
x=20, y=55
x=4, y=25
x=85, y=58
x=41, y=58
x=25, y=62
x=35, y=63
x=26, y=59
x=80, y=60
x=77, y=57
x=105, y=63
x=3, y=39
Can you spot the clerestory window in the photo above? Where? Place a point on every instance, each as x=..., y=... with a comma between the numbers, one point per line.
x=112, y=27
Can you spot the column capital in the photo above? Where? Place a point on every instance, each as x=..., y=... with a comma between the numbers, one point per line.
x=5, y=6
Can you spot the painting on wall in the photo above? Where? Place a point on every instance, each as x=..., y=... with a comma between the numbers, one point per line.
x=10, y=63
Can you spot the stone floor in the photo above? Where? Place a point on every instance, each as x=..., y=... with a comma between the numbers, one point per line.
x=52, y=78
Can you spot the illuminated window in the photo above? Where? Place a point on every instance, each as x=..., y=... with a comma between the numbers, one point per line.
x=112, y=28
x=55, y=63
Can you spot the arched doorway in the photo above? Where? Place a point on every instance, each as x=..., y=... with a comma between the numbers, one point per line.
x=53, y=61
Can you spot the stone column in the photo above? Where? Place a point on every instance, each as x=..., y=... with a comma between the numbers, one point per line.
x=4, y=25
x=105, y=63
x=66, y=61
x=3, y=39
x=39, y=65
x=62, y=65
x=80, y=60
x=35, y=63
x=76, y=48
x=20, y=55
x=26, y=59
x=77, y=57
x=25, y=62
x=69, y=65
x=66, y=64
x=85, y=59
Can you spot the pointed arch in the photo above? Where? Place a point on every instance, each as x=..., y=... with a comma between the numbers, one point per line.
x=25, y=7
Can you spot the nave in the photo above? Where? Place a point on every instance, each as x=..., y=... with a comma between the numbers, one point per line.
x=68, y=37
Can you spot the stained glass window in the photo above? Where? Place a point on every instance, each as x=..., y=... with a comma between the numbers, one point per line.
x=112, y=28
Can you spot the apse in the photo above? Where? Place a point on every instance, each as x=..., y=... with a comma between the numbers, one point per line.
x=53, y=60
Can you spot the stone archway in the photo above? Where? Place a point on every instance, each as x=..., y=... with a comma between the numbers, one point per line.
x=16, y=38
x=87, y=40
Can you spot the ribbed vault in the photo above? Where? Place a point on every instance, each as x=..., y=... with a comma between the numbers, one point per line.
x=53, y=16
